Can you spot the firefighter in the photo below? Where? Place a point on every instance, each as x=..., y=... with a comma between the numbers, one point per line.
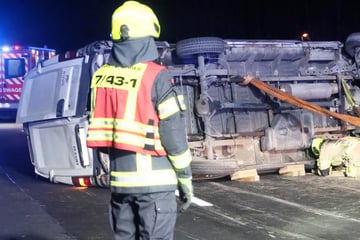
x=138, y=116
x=340, y=153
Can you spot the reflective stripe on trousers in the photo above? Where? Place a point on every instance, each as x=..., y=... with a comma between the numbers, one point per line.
x=143, y=216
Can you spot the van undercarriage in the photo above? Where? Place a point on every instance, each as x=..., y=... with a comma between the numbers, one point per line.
x=231, y=124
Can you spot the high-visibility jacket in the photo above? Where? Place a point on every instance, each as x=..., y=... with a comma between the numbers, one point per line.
x=133, y=173
x=341, y=152
x=124, y=116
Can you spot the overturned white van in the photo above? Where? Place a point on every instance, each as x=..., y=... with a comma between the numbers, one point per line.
x=231, y=125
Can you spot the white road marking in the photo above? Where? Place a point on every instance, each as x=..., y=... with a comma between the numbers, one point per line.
x=197, y=201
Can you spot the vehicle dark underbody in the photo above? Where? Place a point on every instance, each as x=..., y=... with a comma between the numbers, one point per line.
x=232, y=125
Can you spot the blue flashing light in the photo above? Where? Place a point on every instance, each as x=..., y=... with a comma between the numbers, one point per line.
x=6, y=49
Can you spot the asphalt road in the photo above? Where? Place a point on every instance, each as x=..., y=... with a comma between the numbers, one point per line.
x=276, y=207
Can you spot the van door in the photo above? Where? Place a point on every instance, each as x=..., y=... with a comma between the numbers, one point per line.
x=54, y=89
x=58, y=149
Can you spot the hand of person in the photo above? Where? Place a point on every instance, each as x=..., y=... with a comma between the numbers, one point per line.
x=185, y=193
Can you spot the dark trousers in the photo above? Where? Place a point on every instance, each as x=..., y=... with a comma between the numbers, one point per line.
x=143, y=216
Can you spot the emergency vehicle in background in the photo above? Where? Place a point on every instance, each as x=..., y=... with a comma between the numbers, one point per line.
x=15, y=62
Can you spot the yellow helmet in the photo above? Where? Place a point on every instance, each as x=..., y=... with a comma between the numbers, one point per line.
x=316, y=144
x=133, y=20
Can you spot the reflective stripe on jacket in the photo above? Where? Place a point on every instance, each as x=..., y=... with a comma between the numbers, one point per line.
x=123, y=114
x=140, y=173
x=124, y=118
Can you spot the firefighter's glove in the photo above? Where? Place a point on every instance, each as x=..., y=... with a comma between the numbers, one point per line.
x=185, y=193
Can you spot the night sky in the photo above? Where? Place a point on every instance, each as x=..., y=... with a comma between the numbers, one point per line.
x=68, y=25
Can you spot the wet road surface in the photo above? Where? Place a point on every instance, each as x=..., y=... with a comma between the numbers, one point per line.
x=276, y=207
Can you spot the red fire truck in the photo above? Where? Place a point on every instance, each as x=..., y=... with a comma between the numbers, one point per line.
x=15, y=62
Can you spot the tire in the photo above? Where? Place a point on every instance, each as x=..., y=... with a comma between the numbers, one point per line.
x=352, y=42
x=200, y=45
x=213, y=168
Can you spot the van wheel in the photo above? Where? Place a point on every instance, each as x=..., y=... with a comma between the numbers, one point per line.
x=200, y=45
x=352, y=43
x=214, y=168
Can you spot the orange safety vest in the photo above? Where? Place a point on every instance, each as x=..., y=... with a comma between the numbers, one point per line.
x=123, y=115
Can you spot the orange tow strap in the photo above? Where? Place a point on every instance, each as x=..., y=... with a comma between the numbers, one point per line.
x=299, y=102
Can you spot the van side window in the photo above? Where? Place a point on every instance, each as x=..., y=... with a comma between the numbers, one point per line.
x=14, y=67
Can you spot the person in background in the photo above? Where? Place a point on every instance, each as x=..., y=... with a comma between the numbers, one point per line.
x=138, y=116
x=340, y=154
